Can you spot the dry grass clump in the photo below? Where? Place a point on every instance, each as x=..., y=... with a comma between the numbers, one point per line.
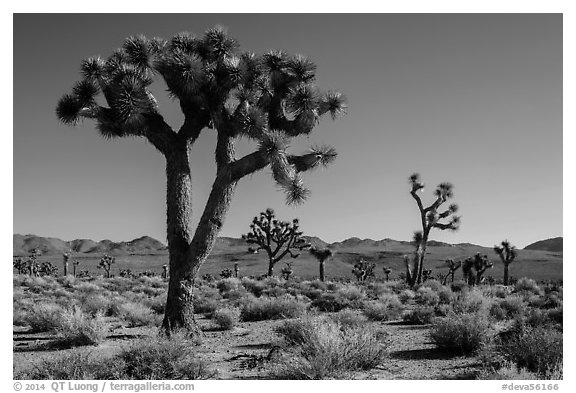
x=226, y=318
x=77, y=328
x=420, y=316
x=138, y=314
x=43, y=317
x=320, y=348
x=460, y=333
x=349, y=318
x=260, y=309
x=387, y=308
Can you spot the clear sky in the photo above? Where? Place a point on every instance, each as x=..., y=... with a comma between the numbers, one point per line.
x=472, y=99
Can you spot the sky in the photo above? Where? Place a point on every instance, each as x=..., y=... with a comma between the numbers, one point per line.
x=473, y=99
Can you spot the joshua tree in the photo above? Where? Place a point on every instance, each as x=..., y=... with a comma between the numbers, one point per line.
x=387, y=272
x=32, y=265
x=507, y=254
x=430, y=218
x=268, y=99
x=106, y=263
x=47, y=269
x=236, y=270
x=226, y=273
x=452, y=267
x=473, y=268
x=66, y=257
x=75, y=264
x=165, y=271
x=287, y=270
x=321, y=255
x=277, y=238
x=364, y=270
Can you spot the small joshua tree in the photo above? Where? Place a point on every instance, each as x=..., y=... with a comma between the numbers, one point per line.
x=20, y=265
x=321, y=255
x=106, y=263
x=226, y=273
x=277, y=238
x=364, y=270
x=474, y=268
x=507, y=254
x=126, y=273
x=32, y=262
x=430, y=217
x=387, y=272
x=452, y=267
x=287, y=270
x=426, y=275
x=47, y=269
x=75, y=264
x=165, y=272
x=66, y=257
x=236, y=270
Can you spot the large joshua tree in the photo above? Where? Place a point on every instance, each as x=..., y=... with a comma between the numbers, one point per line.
x=321, y=255
x=268, y=99
x=507, y=253
x=430, y=217
x=278, y=238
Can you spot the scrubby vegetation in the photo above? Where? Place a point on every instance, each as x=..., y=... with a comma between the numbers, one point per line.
x=330, y=329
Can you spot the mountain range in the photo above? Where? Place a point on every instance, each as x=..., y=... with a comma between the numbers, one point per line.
x=146, y=245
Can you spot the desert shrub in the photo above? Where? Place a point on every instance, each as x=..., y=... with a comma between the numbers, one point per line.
x=318, y=348
x=94, y=303
x=310, y=293
x=275, y=291
x=331, y=302
x=317, y=284
x=235, y=295
x=87, y=287
x=427, y=296
x=420, y=315
x=460, y=333
x=226, y=318
x=352, y=293
x=332, y=286
x=538, y=349
x=377, y=289
x=148, y=291
x=549, y=300
x=71, y=366
x=496, y=291
x=470, y=301
x=77, y=328
x=445, y=295
x=386, y=308
x=153, y=281
x=349, y=319
x=157, y=303
x=205, y=305
x=67, y=281
x=19, y=317
x=506, y=308
x=41, y=284
x=435, y=285
x=253, y=286
x=527, y=285
x=137, y=314
x=458, y=286
x=228, y=284
x=44, y=317
x=406, y=295
x=509, y=371
x=556, y=314
x=260, y=309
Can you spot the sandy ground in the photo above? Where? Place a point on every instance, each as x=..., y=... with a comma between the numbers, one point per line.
x=241, y=353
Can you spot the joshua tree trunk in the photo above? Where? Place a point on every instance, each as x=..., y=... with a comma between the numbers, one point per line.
x=187, y=253
x=506, y=277
x=421, y=252
x=271, y=267
x=322, y=271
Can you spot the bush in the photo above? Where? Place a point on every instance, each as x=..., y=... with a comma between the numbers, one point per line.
x=137, y=314
x=427, y=297
x=527, y=285
x=349, y=319
x=352, y=293
x=331, y=302
x=420, y=316
x=205, y=305
x=509, y=307
x=460, y=333
x=538, y=349
x=406, y=295
x=95, y=303
x=385, y=309
x=261, y=309
x=71, y=366
x=507, y=372
x=76, y=328
x=253, y=286
x=226, y=318
x=228, y=284
x=469, y=302
x=318, y=348
x=44, y=317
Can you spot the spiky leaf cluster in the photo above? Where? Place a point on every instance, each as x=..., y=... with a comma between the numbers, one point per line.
x=364, y=270
x=506, y=251
x=321, y=254
x=267, y=98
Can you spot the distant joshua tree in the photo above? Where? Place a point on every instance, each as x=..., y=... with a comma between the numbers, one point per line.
x=165, y=272
x=47, y=269
x=106, y=263
x=430, y=218
x=236, y=270
x=321, y=255
x=364, y=270
x=226, y=273
x=473, y=268
x=452, y=267
x=75, y=264
x=66, y=257
x=507, y=254
x=267, y=99
x=387, y=272
x=287, y=270
x=277, y=238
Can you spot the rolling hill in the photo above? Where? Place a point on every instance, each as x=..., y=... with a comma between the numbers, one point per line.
x=554, y=245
